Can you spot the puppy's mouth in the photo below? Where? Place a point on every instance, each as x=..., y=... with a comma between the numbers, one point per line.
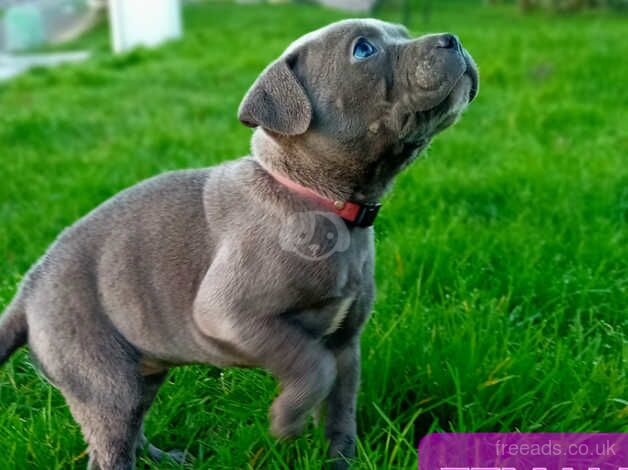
x=462, y=93
x=430, y=122
x=472, y=73
x=420, y=126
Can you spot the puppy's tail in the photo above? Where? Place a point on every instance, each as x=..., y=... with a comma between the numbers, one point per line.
x=13, y=329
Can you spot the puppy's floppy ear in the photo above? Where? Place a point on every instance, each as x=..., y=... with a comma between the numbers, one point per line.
x=277, y=101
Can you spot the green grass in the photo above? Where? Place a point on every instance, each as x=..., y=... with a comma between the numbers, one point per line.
x=502, y=263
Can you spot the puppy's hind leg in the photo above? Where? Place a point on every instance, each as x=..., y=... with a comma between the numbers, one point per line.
x=97, y=372
x=96, y=369
x=151, y=387
x=109, y=410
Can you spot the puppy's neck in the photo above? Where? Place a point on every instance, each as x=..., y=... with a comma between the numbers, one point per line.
x=306, y=170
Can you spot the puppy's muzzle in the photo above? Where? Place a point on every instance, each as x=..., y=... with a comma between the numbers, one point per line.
x=451, y=42
x=437, y=63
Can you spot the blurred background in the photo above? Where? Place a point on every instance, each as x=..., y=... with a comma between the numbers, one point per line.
x=502, y=262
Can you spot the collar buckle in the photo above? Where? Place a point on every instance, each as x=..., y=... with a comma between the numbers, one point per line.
x=366, y=215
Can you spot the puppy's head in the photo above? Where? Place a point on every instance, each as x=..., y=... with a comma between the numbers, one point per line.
x=355, y=102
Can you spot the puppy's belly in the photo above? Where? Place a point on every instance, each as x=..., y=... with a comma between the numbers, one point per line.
x=200, y=349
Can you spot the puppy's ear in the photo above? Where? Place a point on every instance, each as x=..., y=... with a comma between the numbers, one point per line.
x=277, y=101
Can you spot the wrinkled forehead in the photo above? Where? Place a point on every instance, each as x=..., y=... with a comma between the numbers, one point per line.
x=348, y=30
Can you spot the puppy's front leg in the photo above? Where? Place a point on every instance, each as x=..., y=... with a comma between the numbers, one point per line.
x=305, y=369
x=340, y=426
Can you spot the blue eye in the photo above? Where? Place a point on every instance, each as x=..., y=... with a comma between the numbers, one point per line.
x=363, y=49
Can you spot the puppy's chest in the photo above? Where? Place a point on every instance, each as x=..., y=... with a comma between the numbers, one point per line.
x=323, y=308
x=323, y=319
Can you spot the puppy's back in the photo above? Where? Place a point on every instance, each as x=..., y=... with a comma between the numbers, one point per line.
x=138, y=255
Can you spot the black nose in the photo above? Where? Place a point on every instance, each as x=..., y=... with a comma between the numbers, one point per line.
x=448, y=41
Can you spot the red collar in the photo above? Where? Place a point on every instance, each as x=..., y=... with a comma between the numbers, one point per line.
x=359, y=215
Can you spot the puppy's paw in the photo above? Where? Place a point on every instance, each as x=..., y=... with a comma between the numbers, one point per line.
x=341, y=450
x=173, y=456
x=284, y=423
x=179, y=456
x=338, y=464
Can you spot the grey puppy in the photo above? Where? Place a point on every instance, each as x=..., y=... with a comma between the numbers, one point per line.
x=192, y=266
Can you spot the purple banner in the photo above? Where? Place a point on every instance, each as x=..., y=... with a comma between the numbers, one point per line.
x=524, y=451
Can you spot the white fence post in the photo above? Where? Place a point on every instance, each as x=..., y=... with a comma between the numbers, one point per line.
x=143, y=22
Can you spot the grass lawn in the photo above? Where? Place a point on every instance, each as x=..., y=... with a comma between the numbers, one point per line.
x=502, y=264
